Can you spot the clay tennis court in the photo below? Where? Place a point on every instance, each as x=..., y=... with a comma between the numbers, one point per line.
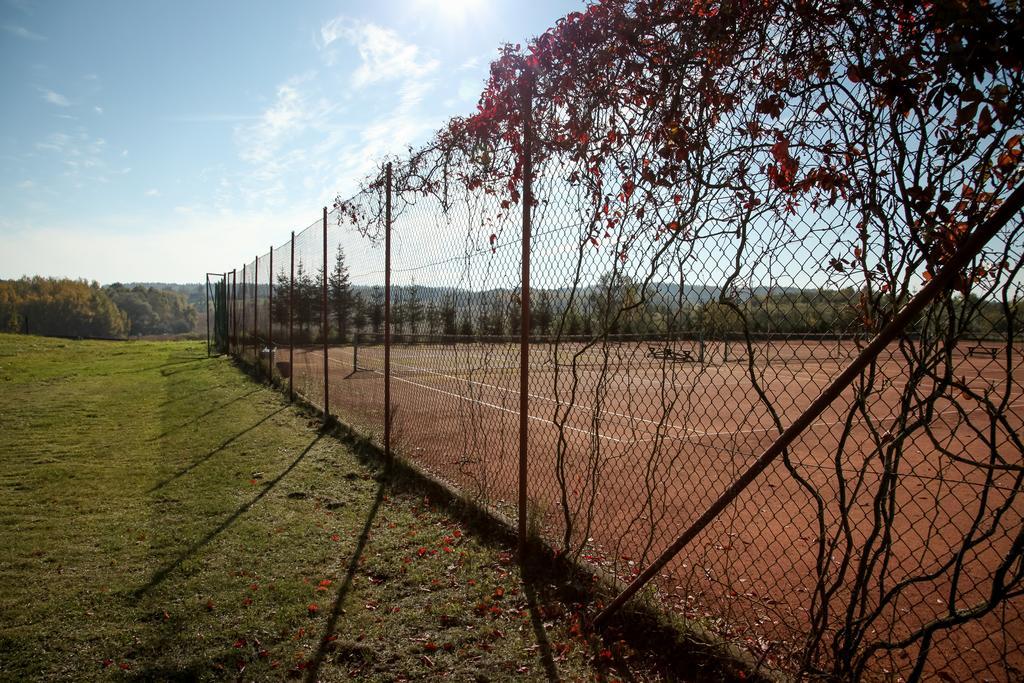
x=630, y=444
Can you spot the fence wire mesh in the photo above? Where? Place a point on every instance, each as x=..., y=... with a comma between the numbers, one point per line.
x=688, y=303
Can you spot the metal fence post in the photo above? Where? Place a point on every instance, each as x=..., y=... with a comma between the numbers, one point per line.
x=241, y=342
x=324, y=325
x=207, y=292
x=387, y=312
x=291, y=325
x=235, y=314
x=524, y=328
x=943, y=280
x=256, y=315
x=270, y=317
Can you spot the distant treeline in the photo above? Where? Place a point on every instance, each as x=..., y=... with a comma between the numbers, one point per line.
x=77, y=308
x=612, y=304
x=154, y=311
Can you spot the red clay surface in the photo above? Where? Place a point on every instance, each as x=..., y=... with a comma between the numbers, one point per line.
x=629, y=448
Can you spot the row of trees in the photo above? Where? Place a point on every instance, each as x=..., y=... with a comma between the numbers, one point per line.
x=154, y=311
x=615, y=304
x=60, y=307
x=77, y=308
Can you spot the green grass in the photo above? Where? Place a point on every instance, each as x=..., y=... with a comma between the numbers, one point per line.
x=163, y=517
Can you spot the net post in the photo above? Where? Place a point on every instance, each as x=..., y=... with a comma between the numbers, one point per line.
x=291, y=324
x=324, y=325
x=387, y=312
x=524, y=327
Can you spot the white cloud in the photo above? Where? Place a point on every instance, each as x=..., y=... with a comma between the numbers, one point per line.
x=212, y=118
x=54, y=97
x=98, y=110
x=383, y=54
x=82, y=156
x=292, y=112
x=23, y=32
x=152, y=192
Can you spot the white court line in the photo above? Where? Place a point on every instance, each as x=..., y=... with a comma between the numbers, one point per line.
x=507, y=410
x=813, y=425
x=688, y=432
x=539, y=397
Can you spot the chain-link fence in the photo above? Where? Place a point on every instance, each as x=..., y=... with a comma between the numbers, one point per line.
x=705, y=271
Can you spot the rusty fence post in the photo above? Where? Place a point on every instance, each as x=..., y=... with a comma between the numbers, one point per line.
x=324, y=326
x=291, y=325
x=256, y=314
x=241, y=342
x=387, y=312
x=524, y=327
x=233, y=337
x=270, y=317
x=967, y=250
x=207, y=292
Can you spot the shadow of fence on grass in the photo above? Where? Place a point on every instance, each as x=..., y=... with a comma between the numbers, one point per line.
x=197, y=418
x=162, y=574
x=223, y=444
x=321, y=653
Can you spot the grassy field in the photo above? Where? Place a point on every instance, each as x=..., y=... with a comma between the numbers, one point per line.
x=163, y=517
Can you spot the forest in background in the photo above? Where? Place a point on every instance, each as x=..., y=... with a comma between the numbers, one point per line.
x=78, y=308
x=614, y=305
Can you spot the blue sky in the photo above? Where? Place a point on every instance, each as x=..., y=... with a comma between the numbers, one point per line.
x=156, y=141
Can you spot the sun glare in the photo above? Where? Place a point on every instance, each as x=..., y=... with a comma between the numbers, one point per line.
x=452, y=12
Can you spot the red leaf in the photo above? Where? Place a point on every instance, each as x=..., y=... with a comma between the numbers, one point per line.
x=780, y=150
x=335, y=537
x=985, y=122
x=313, y=608
x=240, y=643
